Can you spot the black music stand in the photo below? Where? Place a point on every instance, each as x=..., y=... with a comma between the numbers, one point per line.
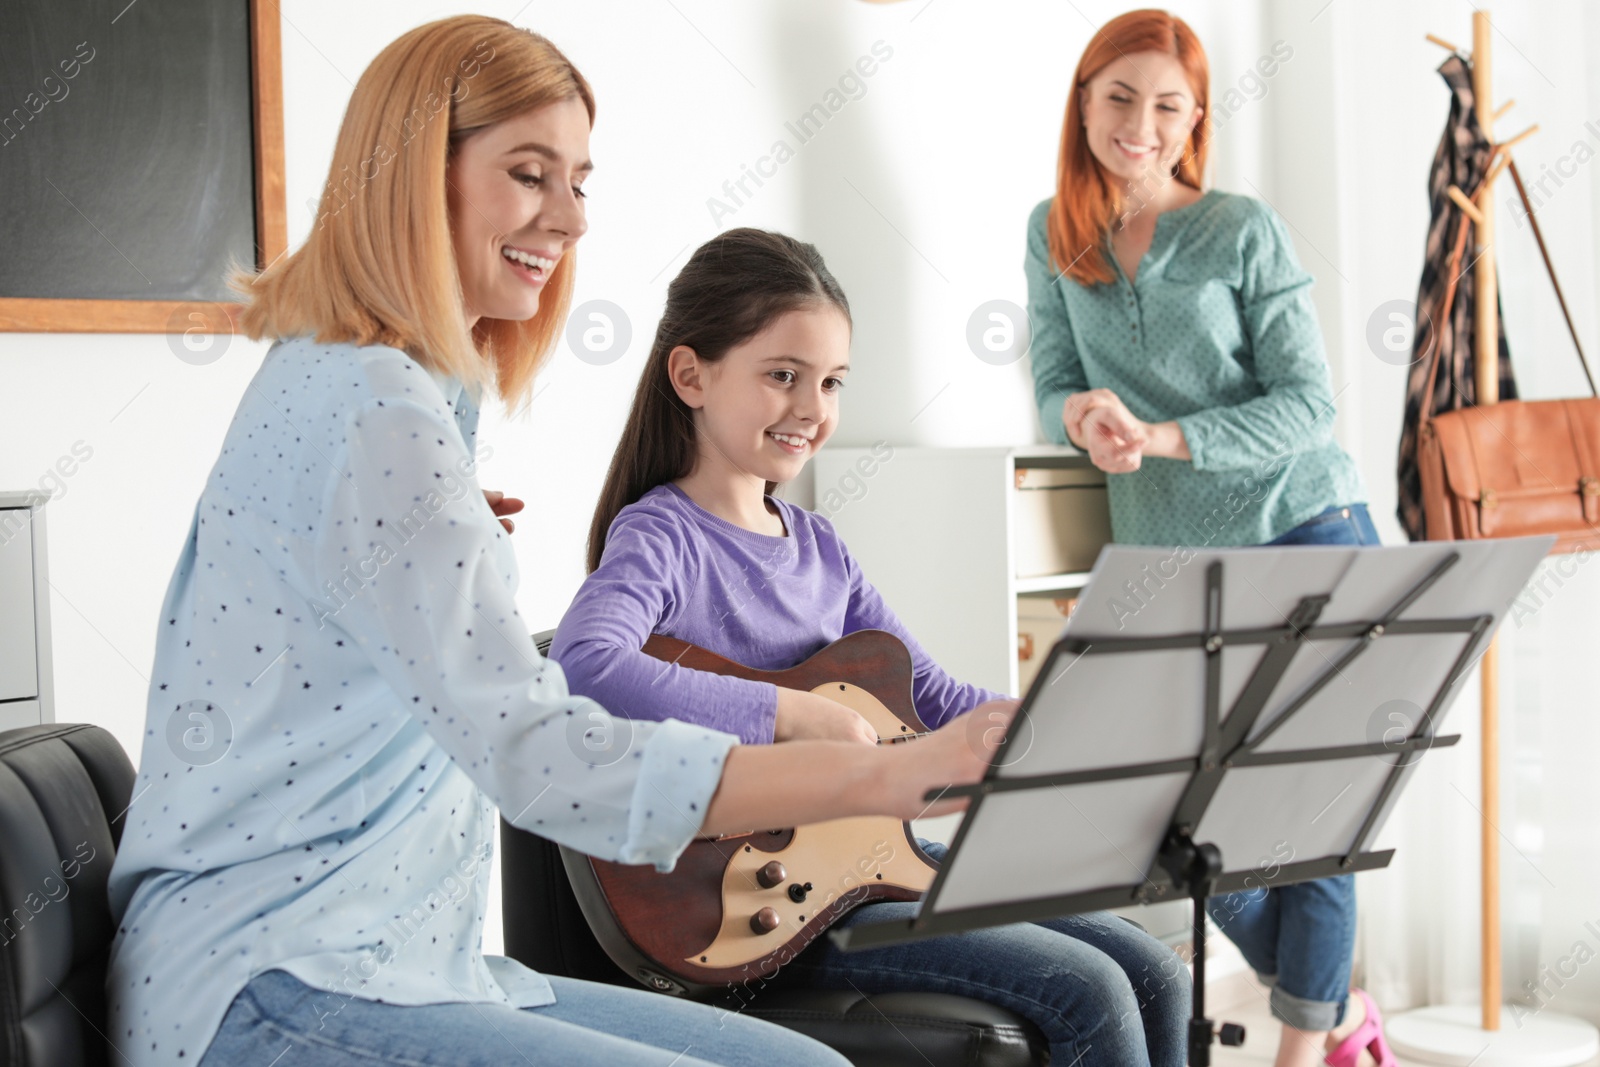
x=1167, y=759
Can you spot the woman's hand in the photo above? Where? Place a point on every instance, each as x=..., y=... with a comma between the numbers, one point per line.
x=1099, y=423
x=1077, y=408
x=957, y=753
x=503, y=505
x=804, y=716
x=771, y=786
x=1115, y=440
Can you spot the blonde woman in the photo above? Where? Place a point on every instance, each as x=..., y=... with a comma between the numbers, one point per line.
x=343, y=691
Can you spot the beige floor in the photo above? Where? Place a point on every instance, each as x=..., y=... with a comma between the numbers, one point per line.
x=1239, y=998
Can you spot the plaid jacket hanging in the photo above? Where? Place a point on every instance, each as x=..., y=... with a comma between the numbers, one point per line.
x=1459, y=161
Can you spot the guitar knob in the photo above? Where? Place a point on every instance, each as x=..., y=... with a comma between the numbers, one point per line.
x=772, y=874
x=764, y=921
x=797, y=892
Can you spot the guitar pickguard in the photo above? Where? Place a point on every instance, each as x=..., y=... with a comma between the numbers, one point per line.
x=842, y=859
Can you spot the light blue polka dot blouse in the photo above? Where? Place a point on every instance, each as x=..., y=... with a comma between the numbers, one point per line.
x=1217, y=331
x=343, y=694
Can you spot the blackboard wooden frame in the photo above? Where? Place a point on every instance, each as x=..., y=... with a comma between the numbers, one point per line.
x=28, y=314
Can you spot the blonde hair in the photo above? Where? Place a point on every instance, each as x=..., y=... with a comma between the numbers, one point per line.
x=379, y=266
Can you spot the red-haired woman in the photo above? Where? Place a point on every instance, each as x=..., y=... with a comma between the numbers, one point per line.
x=1174, y=340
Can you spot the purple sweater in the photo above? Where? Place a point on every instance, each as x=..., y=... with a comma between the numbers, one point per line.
x=671, y=567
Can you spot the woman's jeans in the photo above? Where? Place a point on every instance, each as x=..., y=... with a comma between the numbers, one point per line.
x=1100, y=989
x=278, y=1019
x=1342, y=524
x=1299, y=938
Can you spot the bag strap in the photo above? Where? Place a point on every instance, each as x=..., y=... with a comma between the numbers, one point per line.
x=1457, y=250
x=1545, y=253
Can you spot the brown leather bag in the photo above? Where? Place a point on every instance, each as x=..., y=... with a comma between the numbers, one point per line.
x=1515, y=468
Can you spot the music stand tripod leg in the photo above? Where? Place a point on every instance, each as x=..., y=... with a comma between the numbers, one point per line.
x=1198, y=866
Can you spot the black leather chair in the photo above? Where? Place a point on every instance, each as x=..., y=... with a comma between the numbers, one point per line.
x=63, y=790
x=545, y=929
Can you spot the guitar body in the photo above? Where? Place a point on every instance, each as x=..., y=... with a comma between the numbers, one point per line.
x=737, y=908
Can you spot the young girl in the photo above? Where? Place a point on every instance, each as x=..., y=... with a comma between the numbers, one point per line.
x=741, y=388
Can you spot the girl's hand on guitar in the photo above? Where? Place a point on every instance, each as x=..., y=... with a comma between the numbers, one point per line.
x=957, y=753
x=806, y=716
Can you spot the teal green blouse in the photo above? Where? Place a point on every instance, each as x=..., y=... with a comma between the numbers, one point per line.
x=1217, y=332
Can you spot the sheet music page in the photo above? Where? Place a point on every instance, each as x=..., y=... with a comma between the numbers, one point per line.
x=1093, y=710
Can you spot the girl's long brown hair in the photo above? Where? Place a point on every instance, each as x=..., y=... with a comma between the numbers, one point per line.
x=1087, y=201
x=379, y=266
x=733, y=287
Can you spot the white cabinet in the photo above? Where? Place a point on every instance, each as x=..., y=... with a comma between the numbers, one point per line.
x=944, y=533
x=26, y=697
x=939, y=532
x=15, y=713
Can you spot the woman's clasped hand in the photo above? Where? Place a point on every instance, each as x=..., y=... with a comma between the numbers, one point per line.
x=1098, y=422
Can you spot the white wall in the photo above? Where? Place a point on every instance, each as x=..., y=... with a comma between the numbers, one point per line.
x=916, y=193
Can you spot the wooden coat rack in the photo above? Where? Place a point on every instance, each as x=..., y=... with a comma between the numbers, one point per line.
x=1486, y=346
x=1450, y=1034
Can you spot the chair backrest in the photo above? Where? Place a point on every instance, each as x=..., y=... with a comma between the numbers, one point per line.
x=543, y=925
x=63, y=791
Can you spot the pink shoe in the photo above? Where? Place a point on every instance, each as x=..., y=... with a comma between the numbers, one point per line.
x=1369, y=1036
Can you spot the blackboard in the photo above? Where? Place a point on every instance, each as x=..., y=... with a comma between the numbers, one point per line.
x=128, y=150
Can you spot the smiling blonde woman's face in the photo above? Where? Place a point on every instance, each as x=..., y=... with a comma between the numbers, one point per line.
x=1138, y=112
x=516, y=207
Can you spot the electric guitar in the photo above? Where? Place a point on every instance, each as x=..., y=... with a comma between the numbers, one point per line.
x=736, y=908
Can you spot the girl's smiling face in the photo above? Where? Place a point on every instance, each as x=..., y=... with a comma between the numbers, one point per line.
x=516, y=206
x=766, y=406
x=1138, y=112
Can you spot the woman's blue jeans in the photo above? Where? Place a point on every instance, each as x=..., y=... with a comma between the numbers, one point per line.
x=1100, y=989
x=1342, y=524
x=1299, y=938
x=278, y=1019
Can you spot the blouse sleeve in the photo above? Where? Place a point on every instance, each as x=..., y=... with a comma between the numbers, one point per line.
x=646, y=575
x=1295, y=411
x=412, y=547
x=1057, y=372
x=937, y=696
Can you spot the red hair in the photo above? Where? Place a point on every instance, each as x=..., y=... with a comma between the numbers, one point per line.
x=1087, y=202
